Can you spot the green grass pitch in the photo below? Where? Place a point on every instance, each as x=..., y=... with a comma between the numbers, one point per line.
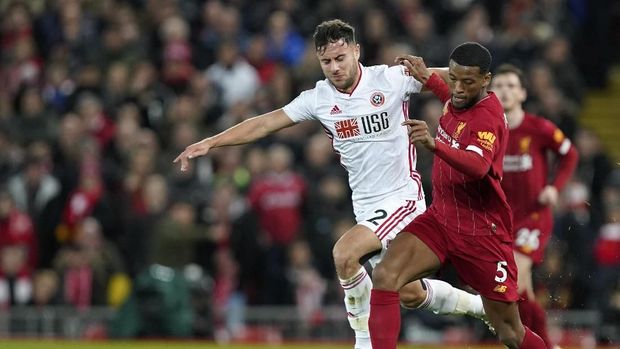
x=58, y=344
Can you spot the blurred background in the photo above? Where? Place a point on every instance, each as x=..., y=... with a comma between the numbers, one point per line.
x=101, y=236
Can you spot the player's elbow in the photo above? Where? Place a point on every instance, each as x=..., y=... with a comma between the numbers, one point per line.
x=479, y=172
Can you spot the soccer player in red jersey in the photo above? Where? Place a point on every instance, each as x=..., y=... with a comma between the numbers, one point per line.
x=530, y=194
x=469, y=222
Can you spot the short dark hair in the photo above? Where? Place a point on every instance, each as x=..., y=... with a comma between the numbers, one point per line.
x=472, y=54
x=508, y=68
x=332, y=31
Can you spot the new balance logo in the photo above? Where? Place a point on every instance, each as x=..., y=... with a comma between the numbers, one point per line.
x=335, y=110
x=500, y=289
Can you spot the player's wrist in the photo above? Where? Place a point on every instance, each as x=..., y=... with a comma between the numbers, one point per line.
x=437, y=147
x=211, y=142
x=431, y=79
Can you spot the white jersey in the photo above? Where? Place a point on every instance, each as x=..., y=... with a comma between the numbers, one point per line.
x=366, y=131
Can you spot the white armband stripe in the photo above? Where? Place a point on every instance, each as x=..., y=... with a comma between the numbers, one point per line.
x=474, y=149
x=564, y=147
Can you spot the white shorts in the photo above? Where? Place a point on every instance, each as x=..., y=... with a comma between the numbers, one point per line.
x=388, y=218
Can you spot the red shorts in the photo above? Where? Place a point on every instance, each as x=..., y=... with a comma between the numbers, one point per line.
x=484, y=262
x=532, y=234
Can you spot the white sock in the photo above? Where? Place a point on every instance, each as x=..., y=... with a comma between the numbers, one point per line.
x=443, y=299
x=357, y=302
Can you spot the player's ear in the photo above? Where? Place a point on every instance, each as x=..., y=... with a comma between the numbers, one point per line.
x=356, y=51
x=523, y=94
x=486, y=80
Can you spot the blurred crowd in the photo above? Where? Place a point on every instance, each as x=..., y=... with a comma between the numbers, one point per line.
x=98, y=97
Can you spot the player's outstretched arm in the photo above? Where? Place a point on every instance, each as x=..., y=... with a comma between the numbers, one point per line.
x=244, y=132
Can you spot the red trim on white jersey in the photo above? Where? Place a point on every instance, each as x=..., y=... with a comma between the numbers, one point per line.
x=412, y=156
x=396, y=218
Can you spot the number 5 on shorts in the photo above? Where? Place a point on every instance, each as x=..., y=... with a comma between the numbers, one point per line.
x=501, y=270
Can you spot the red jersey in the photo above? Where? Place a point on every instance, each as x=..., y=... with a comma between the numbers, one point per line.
x=277, y=199
x=526, y=167
x=464, y=204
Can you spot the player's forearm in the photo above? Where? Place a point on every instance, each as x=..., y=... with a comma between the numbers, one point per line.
x=251, y=129
x=247, y=131
x=463, y=161
x=566, y=166
x=438, y=86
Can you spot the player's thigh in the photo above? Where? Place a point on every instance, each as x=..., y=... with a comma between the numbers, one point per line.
x=355, y=243
x=407, y=259
x=531, y=236
x=524, y=266
x=486, y=263
x=389, y=217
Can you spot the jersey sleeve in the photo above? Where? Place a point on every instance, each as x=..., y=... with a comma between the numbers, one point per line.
x=485, y=128
x=302, y=107
x=407, y=84
x=552, y=137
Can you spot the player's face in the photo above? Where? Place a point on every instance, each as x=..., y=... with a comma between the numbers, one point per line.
x=467, y=84
x=508, y=89
x=339, y=62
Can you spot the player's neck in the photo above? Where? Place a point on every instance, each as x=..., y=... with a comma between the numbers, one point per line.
x=515, y=117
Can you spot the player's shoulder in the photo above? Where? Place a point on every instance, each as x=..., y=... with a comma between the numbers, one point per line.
x=492, y=107
x=385, y=73
x=321, y=88
x=492, y=103
x=538, y=123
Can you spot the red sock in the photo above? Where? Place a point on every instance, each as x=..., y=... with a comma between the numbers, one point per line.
x=539, y=323
x=526, y=312
x=532, y=341
x=384, y=322
x=534, y=317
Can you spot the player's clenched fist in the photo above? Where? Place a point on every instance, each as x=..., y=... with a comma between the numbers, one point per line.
x=418, y=132
x=192, y=151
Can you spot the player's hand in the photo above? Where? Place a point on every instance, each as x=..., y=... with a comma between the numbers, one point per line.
x=415, y=67
x=548, y=196
x=192, y=151
x=418, y=132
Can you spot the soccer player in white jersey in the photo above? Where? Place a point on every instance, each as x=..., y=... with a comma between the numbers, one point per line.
x=361, y=109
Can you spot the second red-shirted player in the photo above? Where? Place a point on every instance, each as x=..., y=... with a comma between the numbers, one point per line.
x=530, y=193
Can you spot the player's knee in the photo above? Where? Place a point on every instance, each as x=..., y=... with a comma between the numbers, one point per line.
x=346, y=262
x=384, y=279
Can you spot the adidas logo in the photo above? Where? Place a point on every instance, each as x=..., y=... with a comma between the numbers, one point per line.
x=335, y=110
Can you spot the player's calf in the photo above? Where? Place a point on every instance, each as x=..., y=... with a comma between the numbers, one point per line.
x=413, y=295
